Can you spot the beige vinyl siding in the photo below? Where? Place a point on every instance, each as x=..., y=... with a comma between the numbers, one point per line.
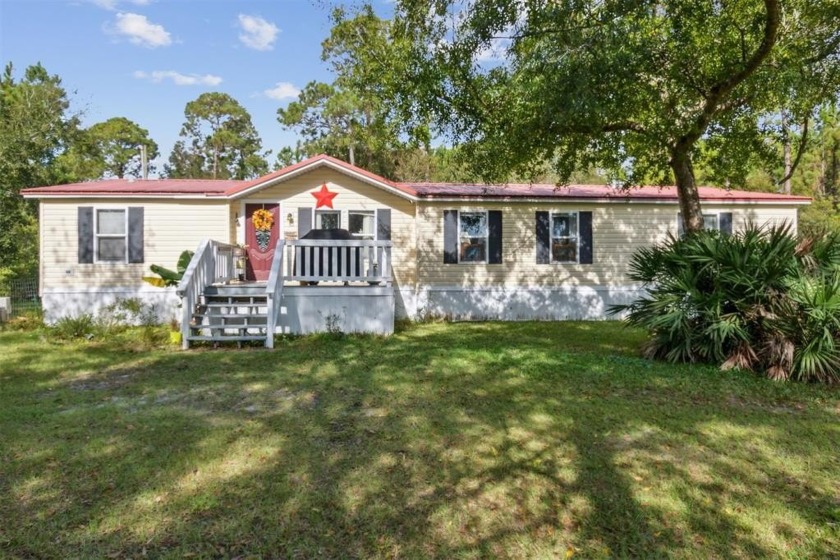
x=353, y=194
x=760, y=215
x=170, y=227
x=619, y=229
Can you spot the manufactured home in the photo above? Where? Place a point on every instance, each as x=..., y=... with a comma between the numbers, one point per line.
x=265, y=260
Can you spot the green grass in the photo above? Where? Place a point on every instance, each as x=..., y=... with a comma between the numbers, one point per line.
x=502, y=440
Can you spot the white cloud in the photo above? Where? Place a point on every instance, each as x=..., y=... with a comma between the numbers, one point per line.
x=177, y=78
x=112, y=4
x=495, y=51
x=282, y=90
x=257, y=33
x=140, y=31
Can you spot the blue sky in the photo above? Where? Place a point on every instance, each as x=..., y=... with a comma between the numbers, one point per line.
x=145, y=59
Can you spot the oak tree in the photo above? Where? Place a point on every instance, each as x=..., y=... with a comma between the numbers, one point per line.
x=632, y=86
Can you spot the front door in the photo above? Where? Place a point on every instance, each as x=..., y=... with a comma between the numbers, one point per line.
x=261, y=235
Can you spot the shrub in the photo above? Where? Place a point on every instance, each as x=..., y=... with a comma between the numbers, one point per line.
x=759, y=300
x=28, y=321
x=115, y=320
x=81, y=326
x=125, y=313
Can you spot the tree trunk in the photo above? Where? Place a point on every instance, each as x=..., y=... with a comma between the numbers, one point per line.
x=689, y=197
x=786, y=139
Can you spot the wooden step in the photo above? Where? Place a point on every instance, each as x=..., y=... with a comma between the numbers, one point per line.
x=236, y=290
x=261, y=316
x=216, y=304
x=248, y=300
x=216, y=325
x=230, y=338
x=237, y=328
x=232, y=326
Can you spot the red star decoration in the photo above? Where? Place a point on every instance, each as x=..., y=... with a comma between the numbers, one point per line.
x=324, y=197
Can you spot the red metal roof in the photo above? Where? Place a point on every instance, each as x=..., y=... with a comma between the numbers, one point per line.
x=457, y=190
x=228, y=189
x=149, y=187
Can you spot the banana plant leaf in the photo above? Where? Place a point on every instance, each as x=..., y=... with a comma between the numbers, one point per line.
x=184, y=262
x=155, y=281
x=167, y=277
x=171, y=277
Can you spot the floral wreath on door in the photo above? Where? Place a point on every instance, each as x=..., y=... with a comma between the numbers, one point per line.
x=263, y=221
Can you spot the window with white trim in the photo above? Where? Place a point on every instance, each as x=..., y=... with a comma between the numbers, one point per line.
x=111, y=232
x=327, y=219
x=472, y=237
x=361, y=223
x=710, y=222
x=564, y=237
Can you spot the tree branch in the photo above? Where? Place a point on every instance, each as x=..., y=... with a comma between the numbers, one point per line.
x=719, y=91
x=802, y=142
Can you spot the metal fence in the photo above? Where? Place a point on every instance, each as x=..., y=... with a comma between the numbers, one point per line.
x=24, y=294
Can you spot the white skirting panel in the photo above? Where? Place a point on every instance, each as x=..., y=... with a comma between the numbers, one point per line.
x=75, y=301
x=311, y=309
x=316, y=308
x=521, y=303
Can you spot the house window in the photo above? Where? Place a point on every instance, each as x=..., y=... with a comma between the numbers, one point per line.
x=564, y=237
x=360, y=223
x=710, y=222
x=327, y=219
x=111, y=235
x=472, y=237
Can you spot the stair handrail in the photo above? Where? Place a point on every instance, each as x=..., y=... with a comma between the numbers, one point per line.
x=199, y=274
x=274, y=293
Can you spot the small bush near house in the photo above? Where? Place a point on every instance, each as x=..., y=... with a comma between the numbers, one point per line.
x=759, y=300
x=132, y=321
x=27, y=321
x=80, y=326
x=125, y=313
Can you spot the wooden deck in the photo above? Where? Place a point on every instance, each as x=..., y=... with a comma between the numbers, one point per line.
x=313, y=286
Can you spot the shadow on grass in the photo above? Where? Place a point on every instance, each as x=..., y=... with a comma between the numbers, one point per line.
x=480, y=440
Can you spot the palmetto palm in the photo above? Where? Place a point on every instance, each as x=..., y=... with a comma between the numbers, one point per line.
x=759, y=300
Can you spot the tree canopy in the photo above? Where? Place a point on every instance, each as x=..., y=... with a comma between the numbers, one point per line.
x=349, y=118
x=218, y=141
x=36, y=127
x=110, y=149
x=635, y=87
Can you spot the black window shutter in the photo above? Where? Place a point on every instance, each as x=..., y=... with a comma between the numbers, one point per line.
x=450, y=236
x=543, y=238
x=135, y=234
x=725, y=223
x=85, y=234
x=383, y=224
x=494, y=241
x=585, y=231
x=304, y=221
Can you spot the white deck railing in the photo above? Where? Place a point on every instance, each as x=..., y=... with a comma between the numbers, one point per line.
x=225, y=262
x=310, y=260
x=274, y=293
x=212, y=262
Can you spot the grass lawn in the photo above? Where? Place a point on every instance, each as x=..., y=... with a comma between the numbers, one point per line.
x=494, y=440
